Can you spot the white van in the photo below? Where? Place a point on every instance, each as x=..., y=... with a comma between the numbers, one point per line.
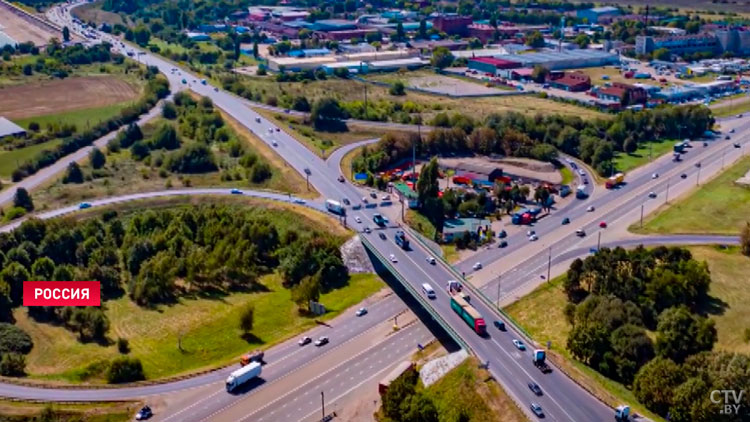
x=427, y=290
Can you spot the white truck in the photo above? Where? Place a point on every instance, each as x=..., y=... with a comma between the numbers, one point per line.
x=335, y=207
x=243, y=375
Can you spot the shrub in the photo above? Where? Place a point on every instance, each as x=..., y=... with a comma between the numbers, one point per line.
x=124, y=369
x=15, y=212
x=14, y=339
x=12, y=365
x=123, y=345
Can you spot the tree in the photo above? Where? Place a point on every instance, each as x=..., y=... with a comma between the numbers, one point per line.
x=422, y=28
x=693, y=27
x=28, y=70
x=535, y=40
x=327, y=115
x=427, y=184
x=255, y=49
x=662, y=54
x=745, y=239
x=73, y=173
x=125, y=369
x=681, y=334
x=539, y=74
x=169, y=111
x=418, y=408
x=308, y=289
x=97, y=158
x=247, y=315
x=441, y=58
x=397, y=88
x=12, y=365
x=655, y=383
x=582, y=40
x=400, y=34
x=141, y=35
x=66, y=34
x=300, y=103
x=166, y=137
x=399, y=391
x=23, y=199
x=14, y=340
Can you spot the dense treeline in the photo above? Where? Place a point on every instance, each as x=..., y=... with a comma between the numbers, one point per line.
x=517, y=135
x=208, y=248
x=403, y=403
x=157, y=88
x=617, y=297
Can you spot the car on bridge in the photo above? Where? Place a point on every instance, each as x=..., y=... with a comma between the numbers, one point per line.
x=357, y=219
x=580, y=232
x=382, y=235
x=499, y=324
x=652, y=194
x=431, y=260
x=393, y=258
x=603, y=224
x=367, y=230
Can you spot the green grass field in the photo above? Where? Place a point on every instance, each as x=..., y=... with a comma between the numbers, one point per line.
x=719, y=207
x=9, y=160
x=481, y=398
x=567, y=175
x=730, y=108
x=645, y=153
x=83, y=119
x=208, y=327
x=27, y=411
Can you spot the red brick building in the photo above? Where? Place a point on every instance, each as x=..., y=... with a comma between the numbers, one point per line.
x=452, y=24
x=570, y=81
x=624, y=93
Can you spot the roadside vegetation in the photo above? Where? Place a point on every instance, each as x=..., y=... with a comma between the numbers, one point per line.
x=482, y=398
x=175, y=282
x=23, y=411
x=644, y=322
x=719, y=207
x=191, y=145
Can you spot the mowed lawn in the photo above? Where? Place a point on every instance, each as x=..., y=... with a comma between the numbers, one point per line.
x=9, y=160
x=82, y=119
x=208, y=327
x=719, y=207
x=645, y=153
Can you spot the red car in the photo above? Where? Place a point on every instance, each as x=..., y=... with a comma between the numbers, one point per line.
x=603, y=225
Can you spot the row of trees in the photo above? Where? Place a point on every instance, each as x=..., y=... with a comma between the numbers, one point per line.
x=618, y=297
x=540, y=137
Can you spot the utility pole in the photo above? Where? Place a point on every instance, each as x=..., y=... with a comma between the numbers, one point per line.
x=498, y=291
x=666, y=201
x=698, y=176
x=365, y=84
x=599, y=241
x=549, y=263
x=722, y=158
x=307, y=179
x=323, y=404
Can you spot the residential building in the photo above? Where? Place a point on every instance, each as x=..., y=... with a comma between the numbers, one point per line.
x=598, y=14
x=457, y=227
x=452, y=24
x=8, y=128
x=679, y=45
x=570, y=81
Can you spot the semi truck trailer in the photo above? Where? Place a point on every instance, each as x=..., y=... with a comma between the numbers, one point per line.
x=243, y=375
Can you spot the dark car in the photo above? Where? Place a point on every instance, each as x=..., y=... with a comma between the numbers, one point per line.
x=503, y=244
x=382, y=235
x=566, y=220
x=499, y=324
x=683, y=175
x=374, y=195
x=726, y=138
x=346, y=201
x=144, y=413
x=736, y=145
x=502, y=235
x=341, y=179
x=307, y=171
x=534, y=387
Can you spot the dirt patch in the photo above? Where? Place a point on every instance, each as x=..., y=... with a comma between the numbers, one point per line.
x=452, y=86
x=24, y=29
x=93, y=12
x=55, y=96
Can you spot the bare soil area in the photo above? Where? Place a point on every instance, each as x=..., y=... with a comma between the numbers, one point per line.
x=23, y=29
x=55, y=96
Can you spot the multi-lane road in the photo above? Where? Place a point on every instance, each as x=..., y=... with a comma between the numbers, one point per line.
x=563, y=400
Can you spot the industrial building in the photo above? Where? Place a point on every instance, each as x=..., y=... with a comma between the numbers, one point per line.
x=482, y=52
x=452, y=24
x=679, y=45
x=6, y=39
x=8, y=128
x=491, y=64
x=570, y=81
x=374, y=60
x=736, y=41
x=485, y=32
x=621, y=93
x=559, y=60
x=598, y=14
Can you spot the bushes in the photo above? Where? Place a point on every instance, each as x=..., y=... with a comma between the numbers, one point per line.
x=12, y=365
x=195, y=158
x=14, y=340
x=125, y=369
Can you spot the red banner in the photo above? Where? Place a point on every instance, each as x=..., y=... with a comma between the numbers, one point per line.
x=61, y=293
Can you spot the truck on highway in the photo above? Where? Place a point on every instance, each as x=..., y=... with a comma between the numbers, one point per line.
x=581, y=192
x=401, y=240
x=468, y=314
x=379, y=220
x=335, y=207
x=254, y=356
x=614, y=181
x=243, y=375
x=539, y=358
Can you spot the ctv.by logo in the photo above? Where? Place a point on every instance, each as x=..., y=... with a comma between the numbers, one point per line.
x=730, y=405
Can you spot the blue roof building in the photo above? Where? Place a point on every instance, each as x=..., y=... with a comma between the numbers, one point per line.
x=327, y=25
x=310, y=52
x=593, y=15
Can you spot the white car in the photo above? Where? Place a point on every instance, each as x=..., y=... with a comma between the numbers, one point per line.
x=581, y=172
x=393, y=258
x=519, y=344
x=590, y=208
x=477, y=266
x=652, y=194
x=431, y=260
x=304, y=340
x=299, y=201
x=357, y=219
x=533, y=238
x=385, y=197
x=361, y=311
x=655, y=176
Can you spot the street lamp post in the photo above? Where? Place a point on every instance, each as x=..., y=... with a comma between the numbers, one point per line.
x=666, y=201
x=641, y=215
x=599, y=241
x=498, y=291
x=549, y=263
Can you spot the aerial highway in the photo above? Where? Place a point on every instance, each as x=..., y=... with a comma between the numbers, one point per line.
x=563, y=399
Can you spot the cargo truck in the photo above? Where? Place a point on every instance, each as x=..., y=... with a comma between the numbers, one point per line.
x=401, y=240
x=539, y=358
x=614, y=181
x=335, y=207
x=469, y=315
x=243, y=375
x=254, y=356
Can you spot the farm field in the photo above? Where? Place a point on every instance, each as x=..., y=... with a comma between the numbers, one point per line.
x=440, y=84
x=719, y=207
x=60, y=95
